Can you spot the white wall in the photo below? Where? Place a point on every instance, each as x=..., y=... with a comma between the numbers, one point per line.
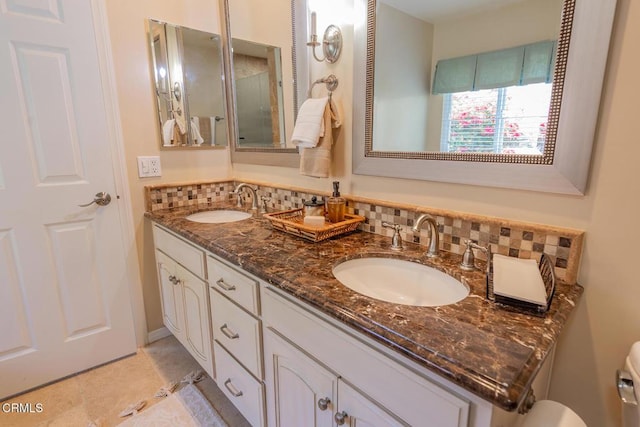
x=607, y=319
x=130, y=49
x=402, y=78
x=494, y=29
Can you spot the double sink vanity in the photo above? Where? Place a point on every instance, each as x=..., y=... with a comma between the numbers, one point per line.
x=286, y=330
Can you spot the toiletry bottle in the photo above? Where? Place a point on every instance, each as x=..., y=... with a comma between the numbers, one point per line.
x=336, y=205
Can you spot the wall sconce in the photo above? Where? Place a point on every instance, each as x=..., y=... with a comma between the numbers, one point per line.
x=331, y=42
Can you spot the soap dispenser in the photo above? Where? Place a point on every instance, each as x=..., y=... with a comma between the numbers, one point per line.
x=336, y=205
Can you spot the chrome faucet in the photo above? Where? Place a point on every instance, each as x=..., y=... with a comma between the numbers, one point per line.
x=396, y=240
x=468, y=262
x=434, y=237
x=254, y=195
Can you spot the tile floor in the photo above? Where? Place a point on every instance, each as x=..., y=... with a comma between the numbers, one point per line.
x=100, y=394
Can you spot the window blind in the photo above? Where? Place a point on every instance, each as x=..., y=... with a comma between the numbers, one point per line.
x=499, y=120
x=517, y=66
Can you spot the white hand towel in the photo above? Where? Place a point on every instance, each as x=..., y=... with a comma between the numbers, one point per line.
x=518, y=278
x=309, y=124
x=195, y=131
x=167, y=132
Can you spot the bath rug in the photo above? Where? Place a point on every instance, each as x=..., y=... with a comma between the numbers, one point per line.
x=185, y=408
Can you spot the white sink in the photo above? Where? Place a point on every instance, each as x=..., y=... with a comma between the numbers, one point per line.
x=399, y=281
x=218, y=216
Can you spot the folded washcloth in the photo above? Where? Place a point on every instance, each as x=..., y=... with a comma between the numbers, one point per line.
x=195, y=131
x=309, y=125
x=519, y=279
x=167, y=132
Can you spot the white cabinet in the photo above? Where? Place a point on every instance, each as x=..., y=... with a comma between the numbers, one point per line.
x=373, y=389
x=170, y=294
x=300, y=392
x=234, y=284
x=237, y=334
x=242, y=389
x=303, y=392
x=184, y=295
x=237, y=331
x=283, y=363
x=354, y=409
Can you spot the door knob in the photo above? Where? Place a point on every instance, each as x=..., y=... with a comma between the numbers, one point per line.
x=100, y=199
x=323, y=403
x=340, y=417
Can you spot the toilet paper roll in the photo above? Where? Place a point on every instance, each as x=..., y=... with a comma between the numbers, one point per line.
x=547, y=413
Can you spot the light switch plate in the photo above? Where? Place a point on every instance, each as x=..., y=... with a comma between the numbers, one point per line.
x=149, y=166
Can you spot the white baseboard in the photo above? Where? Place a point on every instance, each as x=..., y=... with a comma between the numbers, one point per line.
x=158, y=334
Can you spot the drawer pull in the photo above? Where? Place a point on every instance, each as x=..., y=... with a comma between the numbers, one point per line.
x=224, y=285
x=174, y=280
x=228, y=332
x=234, y=391
x=340, y=417
x=323, y=403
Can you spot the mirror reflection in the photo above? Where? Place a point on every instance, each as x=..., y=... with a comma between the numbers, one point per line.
x=463, y=77
x=187, y=68
x=264, y=69
x=257, y=70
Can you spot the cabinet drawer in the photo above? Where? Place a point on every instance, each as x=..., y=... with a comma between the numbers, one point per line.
x=233, y=284
x=237, y=331
x=244, y=391
x=187, y=255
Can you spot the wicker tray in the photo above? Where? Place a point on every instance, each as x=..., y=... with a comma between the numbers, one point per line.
x=292, y=222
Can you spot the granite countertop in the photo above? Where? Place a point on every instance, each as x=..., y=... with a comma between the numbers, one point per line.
x=491, y=351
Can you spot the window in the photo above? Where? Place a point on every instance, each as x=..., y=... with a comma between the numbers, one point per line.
x=502, y=120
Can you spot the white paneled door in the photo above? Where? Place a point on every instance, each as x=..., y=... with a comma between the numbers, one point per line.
x=64, y=292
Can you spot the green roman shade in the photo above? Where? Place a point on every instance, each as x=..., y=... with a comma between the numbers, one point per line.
x=522, y=65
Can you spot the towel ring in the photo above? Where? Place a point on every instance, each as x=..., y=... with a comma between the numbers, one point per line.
x=331, y=82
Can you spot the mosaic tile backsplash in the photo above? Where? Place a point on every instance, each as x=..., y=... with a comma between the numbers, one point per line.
x=506, y=237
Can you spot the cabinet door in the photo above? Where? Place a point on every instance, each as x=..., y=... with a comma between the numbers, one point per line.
x=300, y=392
x=355, y=410
x=171, y=295
x=197, y=332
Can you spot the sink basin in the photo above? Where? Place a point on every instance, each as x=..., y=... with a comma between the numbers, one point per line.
x=399, y=281
x=218, y=216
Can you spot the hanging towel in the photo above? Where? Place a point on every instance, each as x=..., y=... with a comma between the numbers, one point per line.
x=180, y=122
x=167, y=132
x=316, y=161
x=309, y=124
x=195, y=131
